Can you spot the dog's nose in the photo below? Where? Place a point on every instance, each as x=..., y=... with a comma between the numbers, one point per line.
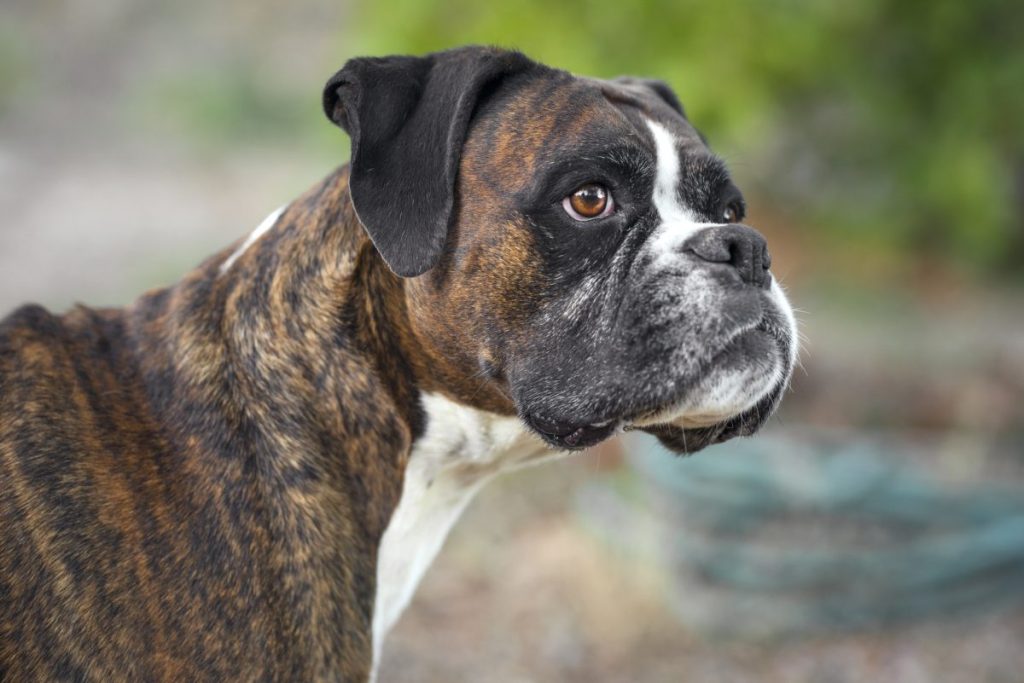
x=745, y=249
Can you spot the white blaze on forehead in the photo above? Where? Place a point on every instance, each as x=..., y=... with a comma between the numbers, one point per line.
x=666, y=184
x=260, y=230
x=678, y=222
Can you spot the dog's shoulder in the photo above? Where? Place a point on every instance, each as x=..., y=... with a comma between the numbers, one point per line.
x=29, y=337
x=63, y=378
x=30, y=322
x=39, y=347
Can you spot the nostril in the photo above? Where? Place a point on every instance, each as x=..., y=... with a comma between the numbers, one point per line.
x=741, y=254
x=735, y=253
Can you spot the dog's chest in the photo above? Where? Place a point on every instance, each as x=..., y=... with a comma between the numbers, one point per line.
x=461, y=449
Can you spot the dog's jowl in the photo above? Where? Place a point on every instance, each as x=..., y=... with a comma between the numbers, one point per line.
x=244, y=476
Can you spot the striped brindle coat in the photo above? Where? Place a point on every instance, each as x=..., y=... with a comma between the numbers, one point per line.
x=243, y=476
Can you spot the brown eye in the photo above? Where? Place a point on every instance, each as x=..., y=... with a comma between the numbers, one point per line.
x=589, y=202
x=733, y=213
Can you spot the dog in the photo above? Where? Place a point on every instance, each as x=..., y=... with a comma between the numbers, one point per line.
x=245, y=475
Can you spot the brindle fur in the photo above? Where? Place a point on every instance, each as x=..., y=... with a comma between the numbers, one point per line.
x=195, y=487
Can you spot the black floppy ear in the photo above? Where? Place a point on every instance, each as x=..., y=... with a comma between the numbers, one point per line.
x=650, y=85
x=408, y=118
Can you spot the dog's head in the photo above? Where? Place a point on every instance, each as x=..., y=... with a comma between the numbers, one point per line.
x=571, y=244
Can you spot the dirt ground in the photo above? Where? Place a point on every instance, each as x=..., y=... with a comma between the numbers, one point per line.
x=523, y=593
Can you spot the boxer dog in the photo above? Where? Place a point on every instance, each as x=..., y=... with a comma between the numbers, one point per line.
x=244, y=476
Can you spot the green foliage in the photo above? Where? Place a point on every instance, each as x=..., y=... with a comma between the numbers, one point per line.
x=14, y=69
x=237, y=104
x=892, y=121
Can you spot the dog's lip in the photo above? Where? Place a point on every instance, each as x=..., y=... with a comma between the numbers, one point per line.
x=568, y=435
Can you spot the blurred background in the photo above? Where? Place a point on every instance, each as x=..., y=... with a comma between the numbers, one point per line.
x=874, y=531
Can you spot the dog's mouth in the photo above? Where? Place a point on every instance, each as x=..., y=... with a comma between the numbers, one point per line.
x=681, y=431
x=684, y=439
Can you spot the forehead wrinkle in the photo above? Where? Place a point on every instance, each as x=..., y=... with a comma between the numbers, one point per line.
x=618, y=97
x=568, y=116
x=539, y=125
x=632, y=113
x=589, y=122
x=547, y=113
x=504, y=136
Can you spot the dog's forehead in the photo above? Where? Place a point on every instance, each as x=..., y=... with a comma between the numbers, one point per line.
x=544, y=117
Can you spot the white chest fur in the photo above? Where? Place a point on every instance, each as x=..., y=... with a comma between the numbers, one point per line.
x=460, y=450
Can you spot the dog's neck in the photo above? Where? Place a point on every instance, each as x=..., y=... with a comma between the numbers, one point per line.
x=313, y=282
x=291, y=318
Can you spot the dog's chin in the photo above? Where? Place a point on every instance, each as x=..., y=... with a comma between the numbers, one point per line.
x=739, y=406
x=733, y=398
x=684, y=433
x=683, y=426
x=690, y=434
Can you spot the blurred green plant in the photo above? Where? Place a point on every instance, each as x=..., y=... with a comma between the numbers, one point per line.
x=14, y=67
x=239, y=104
x=892, y=122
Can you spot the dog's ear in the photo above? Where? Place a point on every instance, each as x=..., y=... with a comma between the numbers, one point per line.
x=408, y=118
x=659, y=88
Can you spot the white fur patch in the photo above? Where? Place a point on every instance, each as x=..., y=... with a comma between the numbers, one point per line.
x=678, y=223
x=460, y=451
x=262, y=229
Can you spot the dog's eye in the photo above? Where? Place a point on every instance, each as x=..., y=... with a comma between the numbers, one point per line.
x=733, y=213
x=588, y=202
